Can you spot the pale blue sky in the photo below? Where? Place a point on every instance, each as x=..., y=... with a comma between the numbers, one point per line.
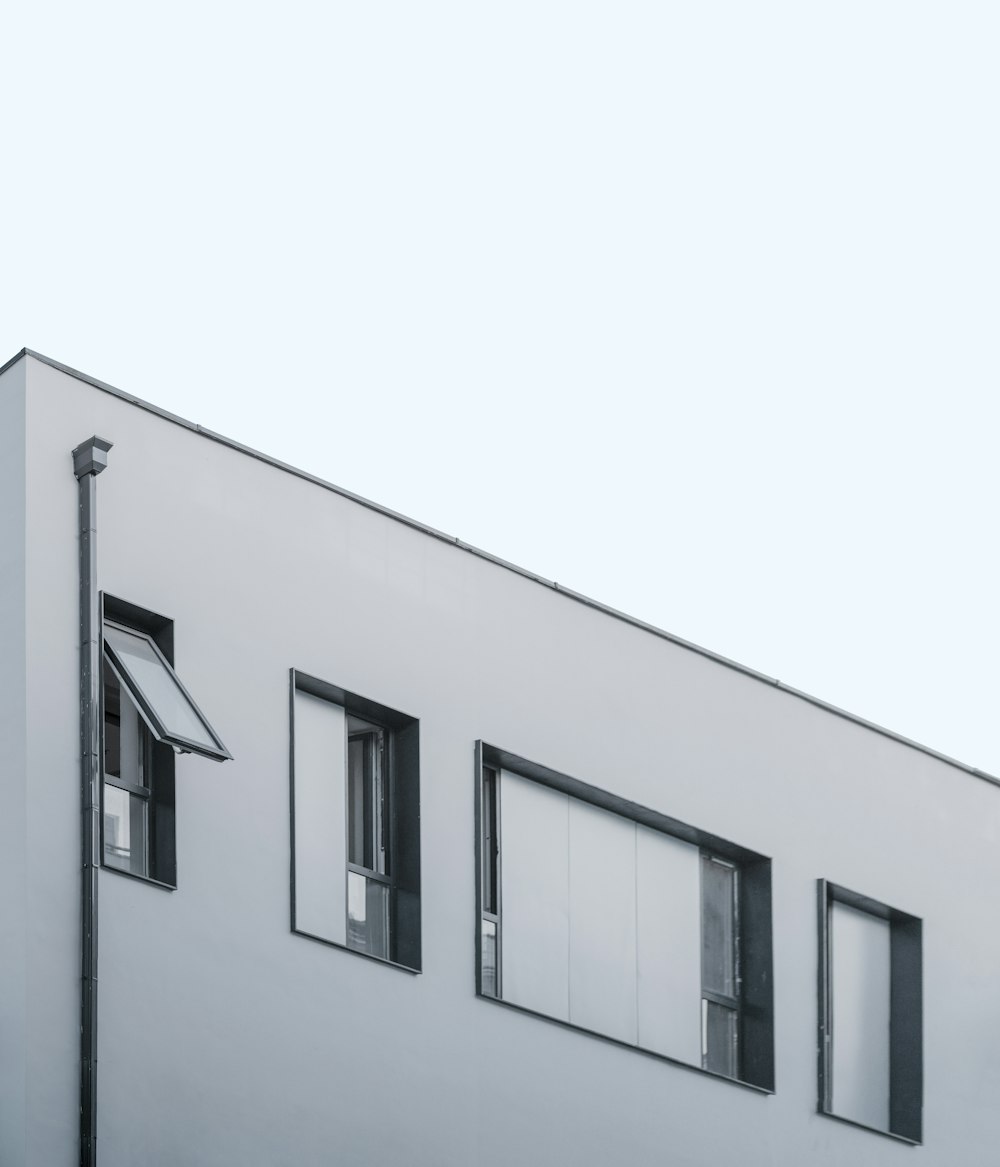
x=690, y=306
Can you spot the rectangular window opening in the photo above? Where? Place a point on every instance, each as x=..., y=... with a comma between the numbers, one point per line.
x=147, y=717
x=355, y=800
x=489, y=843
x=622, y=922
x=870, y=1013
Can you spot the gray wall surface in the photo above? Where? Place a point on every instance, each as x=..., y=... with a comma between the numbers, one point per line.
x=14, y=937
x=225, y=1039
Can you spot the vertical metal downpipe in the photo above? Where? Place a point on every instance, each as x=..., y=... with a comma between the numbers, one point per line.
x=89, y=459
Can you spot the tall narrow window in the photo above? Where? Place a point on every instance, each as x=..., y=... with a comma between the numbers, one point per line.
x=490, y=849
x=127, y=772
x=148, y=717
x=355, y=802
x=870, y=1070
x=369, y=876
x=720, y=979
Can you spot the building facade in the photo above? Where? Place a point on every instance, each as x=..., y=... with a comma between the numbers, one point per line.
x=408, y=856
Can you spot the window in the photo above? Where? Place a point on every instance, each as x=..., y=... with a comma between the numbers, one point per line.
x=369, y=879
x=148, y=716
x=870, y=1013
x=613, y=918
x=355, y=804
x=720, y=980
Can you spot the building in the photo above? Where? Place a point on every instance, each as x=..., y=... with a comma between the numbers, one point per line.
x=447, y=865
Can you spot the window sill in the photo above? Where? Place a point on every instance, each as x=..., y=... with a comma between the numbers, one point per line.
x=357, y=952
x=875, y=1130
x=140, y=878
x=638, y=1049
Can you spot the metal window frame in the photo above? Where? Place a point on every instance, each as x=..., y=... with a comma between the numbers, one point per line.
x=140, y=789
x=402, y=762
x=381, y=782
x=756, y=1018
x=732, y=1002
x=482, y=914
x=161, y=866
x=147, y=709
x=905, y=1012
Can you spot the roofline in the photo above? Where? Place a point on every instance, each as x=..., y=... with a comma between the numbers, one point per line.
x=454, y=541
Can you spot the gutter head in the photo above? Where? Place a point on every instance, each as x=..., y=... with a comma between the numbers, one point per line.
x=91, y=456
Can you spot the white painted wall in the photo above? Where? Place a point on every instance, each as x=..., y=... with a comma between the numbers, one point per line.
x=226, y=1039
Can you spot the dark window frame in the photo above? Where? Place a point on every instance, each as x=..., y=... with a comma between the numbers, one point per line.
x=489, y=883
x=147, y=707
x=402, y=779
x=906, y=1074
x=160, y=867
x=730, y=1002
x=756, y=1017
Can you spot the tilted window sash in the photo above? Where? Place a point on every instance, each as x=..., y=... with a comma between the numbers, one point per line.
x=162, y=701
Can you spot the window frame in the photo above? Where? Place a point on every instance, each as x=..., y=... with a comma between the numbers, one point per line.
x=147, y=708
x=905, y=1012
x=401, y=778
x=756, y=1019
x=159, y=868
x=731, y=1002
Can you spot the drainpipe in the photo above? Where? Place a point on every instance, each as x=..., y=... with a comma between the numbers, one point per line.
x=89, y=459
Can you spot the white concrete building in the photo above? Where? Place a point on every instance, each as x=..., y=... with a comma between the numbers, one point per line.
x=448, y=865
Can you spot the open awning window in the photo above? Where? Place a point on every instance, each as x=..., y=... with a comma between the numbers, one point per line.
x=163, y=702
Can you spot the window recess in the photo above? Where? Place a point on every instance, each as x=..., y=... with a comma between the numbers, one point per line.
x=870, y=1013
x=147, y=717
x=488, y=976
x=720, y=963
x=355, y=817
x=615, y=919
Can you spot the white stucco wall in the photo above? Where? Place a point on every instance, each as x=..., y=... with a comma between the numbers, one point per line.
x=225, y=1039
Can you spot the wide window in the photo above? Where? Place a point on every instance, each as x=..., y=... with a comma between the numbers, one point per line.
x=621, y=921
x=870, y=1070
x=148, y=716
x=355, y=791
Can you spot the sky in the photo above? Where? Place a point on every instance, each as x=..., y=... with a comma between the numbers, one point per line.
x=691, y=307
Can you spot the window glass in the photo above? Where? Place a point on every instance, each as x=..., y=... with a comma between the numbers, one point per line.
x=489, y=958
x=155, y=681
x=719, y=1040
x=367, y=797
x=489, y=796
x=367, y=915
x=718, y=928
x=125, y=833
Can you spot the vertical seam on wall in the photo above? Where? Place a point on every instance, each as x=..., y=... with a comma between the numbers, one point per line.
x=569, y=915
x=635, y=878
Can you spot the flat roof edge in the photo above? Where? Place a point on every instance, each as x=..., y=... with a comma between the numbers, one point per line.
x=221, y=439
x=25, y=352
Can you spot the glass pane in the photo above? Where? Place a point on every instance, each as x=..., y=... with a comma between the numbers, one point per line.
x=489, y=819
x=718, y=932
x=489, y=979
x=719, y=1039
x=358, y=803
x=367, y=915
x=155, y=680
x=112, y=723
x=124, y=830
